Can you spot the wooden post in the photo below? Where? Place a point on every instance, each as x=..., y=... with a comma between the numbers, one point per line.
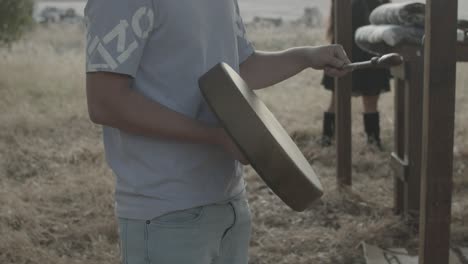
x=438, y=125
x=406, y=159
x=399, y=142
x=343, y=36
x=413, y=140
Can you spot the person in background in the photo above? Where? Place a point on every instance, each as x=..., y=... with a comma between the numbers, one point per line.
x=180, y=192
x=368, y=83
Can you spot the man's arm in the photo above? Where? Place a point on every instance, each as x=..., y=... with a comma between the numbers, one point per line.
x=111, y=102
x=263, y=69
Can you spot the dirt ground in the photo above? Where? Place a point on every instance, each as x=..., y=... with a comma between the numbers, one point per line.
x=56, y=192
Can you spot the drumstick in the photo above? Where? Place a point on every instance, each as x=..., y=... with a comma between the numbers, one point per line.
x=386, y=61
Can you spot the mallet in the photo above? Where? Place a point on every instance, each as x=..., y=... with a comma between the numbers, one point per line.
x=385, y=61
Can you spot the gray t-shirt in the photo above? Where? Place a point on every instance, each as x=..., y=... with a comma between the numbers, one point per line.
x=166, y=45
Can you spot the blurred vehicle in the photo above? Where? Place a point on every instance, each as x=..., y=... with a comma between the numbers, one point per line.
x=51, y=14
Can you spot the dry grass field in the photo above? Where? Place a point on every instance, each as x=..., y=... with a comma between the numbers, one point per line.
x=56, y=192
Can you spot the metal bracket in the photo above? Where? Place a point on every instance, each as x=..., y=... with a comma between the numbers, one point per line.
x=400, y=167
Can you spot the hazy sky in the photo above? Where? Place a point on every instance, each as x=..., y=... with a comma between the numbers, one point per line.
x=293, y=8
x=287, y=9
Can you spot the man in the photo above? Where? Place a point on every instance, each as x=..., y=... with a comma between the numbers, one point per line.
x=180, y=194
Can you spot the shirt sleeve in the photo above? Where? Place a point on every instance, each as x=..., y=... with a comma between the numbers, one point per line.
x=244, y=46
x=117, y=32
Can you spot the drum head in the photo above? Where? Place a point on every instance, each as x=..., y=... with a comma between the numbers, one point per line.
x=261, y=138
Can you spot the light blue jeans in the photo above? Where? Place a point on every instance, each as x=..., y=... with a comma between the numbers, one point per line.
x=212, y=234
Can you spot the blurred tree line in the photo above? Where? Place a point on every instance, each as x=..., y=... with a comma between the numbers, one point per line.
x=15, y=18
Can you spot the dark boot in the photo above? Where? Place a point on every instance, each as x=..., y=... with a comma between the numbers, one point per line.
x=372, y=128
x=328, y=130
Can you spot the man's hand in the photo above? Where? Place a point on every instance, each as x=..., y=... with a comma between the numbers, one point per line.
x=229, y=146
x=330, y=58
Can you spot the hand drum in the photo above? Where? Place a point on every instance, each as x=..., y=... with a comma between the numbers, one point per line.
x=261, y=138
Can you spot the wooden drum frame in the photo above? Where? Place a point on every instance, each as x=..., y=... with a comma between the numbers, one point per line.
x=261, y=138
